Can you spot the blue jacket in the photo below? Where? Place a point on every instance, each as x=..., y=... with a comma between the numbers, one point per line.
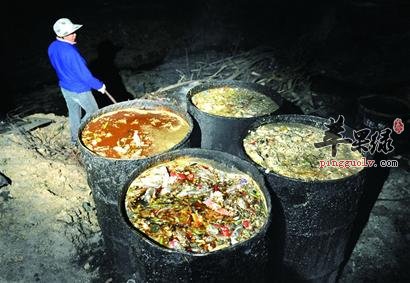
x=71, y=68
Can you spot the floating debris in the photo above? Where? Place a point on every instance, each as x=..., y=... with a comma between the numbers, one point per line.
x=234, y=102
x=195, y=205
x=288, y=149
x=134, y=133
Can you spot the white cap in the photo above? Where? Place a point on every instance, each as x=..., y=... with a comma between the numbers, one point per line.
x=64, y=26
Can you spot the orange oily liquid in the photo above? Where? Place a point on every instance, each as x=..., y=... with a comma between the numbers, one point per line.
x=134, y=133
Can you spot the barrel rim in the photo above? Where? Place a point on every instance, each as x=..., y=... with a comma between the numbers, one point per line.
x=300, y=118
x=361, y=102
x=128, y=105
x=267, y=91
x=197, y=152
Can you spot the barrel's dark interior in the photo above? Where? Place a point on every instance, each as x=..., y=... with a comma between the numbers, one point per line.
x=385, y=105
x=321, y=56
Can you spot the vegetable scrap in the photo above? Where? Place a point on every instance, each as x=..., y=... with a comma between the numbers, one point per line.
x=288, y=149
x=234, y=102
x=134, y=133
x=196, y=205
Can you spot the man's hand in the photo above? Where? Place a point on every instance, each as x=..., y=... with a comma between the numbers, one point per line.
x=102, y=89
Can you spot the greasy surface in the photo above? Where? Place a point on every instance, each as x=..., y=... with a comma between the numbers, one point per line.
x=194, y=205
x=234, y=102
x=225, y=133
x=134, y=133
x=288, y=149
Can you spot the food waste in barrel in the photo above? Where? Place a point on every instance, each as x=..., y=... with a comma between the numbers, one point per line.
x=134, y=133
x=195, y=205
x=234, y=102
x=288, y=149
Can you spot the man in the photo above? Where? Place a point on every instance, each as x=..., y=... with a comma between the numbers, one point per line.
x=75, y=79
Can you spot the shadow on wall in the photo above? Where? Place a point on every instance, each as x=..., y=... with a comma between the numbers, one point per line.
x=104, y=69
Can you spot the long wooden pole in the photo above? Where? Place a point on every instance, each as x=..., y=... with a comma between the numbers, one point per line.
x=110, y=97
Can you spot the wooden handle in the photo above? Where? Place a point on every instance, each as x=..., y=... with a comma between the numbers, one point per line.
x=110, y=97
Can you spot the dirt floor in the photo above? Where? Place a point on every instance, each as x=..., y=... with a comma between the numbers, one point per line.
x=48, y=225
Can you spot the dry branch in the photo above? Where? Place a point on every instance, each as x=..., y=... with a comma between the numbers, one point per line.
x=251, y=66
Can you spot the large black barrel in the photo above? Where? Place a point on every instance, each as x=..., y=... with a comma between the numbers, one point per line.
x=378, y=112
x=246, y=261
x=106, y=177
x=223, y=133
x=318, y=215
